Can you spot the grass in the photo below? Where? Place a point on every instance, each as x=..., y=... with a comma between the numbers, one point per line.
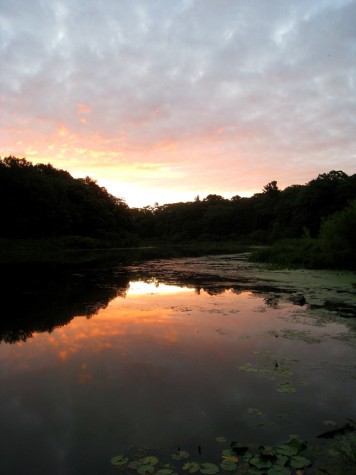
x=304, y=253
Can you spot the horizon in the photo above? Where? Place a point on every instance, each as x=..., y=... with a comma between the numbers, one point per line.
x=201, y=196
x=160, y=102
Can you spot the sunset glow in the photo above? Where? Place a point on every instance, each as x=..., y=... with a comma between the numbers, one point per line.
x=154, y=288
x=167, y=315
x=162, y=101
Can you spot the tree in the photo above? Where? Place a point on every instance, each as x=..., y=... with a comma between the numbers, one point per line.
x=338, y=235
x=214, y=199
x=323, y=197
x=271, y=187
x=41, y=201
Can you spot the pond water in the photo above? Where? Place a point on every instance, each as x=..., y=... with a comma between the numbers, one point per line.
x=166, y=354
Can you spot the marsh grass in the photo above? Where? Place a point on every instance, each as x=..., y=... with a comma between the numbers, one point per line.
x=306, y=253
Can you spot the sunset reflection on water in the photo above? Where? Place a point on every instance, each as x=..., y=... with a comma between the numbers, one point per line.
x=160, y=366
x=150, y=313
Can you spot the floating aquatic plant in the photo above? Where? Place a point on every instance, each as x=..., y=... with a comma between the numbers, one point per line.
x=220, y=440
x=229, y=460
x=229, y=454
x=253, y=411
x=165, y=471
x=279, y=460
x=299, y=462
x=284, y=459
x=291, y=334
x=191, y=467
x=249, y=368
x=344, y=448
x=180, y=455
x=329, y=422
x=150, y=460
x=286, y=387
x=228, y=466
x=119, y=460
x=144, y=469
x=275, y=370
x=208, y=468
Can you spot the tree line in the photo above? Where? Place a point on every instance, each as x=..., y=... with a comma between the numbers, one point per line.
x=296, y=211
x=40, y=201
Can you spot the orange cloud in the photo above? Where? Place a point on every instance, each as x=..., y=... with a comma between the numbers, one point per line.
x=63, y=130
x=83, y=109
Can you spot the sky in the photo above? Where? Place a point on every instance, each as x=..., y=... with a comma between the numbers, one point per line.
x=164, y=100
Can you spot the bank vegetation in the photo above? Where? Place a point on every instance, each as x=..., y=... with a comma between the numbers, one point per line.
x=310, y=225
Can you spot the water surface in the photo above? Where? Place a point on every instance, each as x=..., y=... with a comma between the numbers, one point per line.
x=164, y=354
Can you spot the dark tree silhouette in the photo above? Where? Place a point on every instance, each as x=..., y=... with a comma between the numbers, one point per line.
x=39, y=201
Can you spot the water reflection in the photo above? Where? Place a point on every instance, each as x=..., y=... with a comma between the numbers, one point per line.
x=139, y=287
x=159, y=365
x=40, y=299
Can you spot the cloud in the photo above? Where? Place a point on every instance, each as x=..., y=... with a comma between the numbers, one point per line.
x=255, y=89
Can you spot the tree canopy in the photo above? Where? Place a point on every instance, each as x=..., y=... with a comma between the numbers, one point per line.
x=40, y=201
x=266, y=216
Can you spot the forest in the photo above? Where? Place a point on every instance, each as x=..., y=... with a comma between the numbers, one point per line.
x=315, y=219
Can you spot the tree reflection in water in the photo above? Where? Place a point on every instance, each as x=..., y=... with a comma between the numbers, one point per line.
x=42, y=298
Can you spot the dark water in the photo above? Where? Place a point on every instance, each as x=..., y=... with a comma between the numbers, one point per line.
x=164, y=354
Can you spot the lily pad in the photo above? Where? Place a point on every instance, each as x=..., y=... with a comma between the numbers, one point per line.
x=150, y=460
x=164, y=471
x=238, y=449
x=260, y=463
x=209, y=468
x=220, y=440
x=295, y=445
x=285, y=373
x=134, y=464
x=191, y=467
x=299, y=462
x=228, y=453
x=267, y=450
x=228, y=465
x=248, y=455
x=278, y=470
x=143, y=469
x=298, y=442
x=180, y=455
x=281, y=460
x=119, y=460
x=231, y=458
x=286, y=449
x=249, y=368
x=329, y=423
x=286, y=387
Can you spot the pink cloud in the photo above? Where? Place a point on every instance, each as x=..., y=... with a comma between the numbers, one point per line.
x=213, y=98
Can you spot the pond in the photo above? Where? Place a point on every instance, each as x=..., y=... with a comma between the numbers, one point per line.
x=170, y=355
